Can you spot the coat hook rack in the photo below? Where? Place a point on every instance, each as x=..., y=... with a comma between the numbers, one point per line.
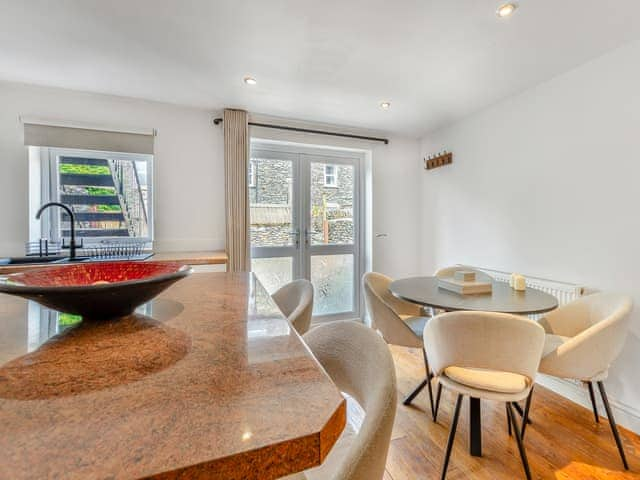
x=439, y=159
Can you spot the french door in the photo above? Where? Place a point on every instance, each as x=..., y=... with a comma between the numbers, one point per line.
x=306, y=223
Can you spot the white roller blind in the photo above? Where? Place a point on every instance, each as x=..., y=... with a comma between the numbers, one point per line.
x=41, y=135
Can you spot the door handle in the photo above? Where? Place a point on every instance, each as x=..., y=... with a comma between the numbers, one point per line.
x=307, y=235
x=295, y=233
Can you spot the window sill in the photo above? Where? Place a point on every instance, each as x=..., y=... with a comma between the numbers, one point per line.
x=190, y=258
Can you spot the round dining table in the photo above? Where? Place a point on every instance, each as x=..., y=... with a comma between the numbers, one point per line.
x=426, y=291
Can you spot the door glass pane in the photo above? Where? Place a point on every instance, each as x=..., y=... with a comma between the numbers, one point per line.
x=274, y=272
x=270, y=202
x=332, y=278
x=331, y=204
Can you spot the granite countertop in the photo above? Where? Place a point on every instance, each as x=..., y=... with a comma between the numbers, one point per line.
x=209, y=380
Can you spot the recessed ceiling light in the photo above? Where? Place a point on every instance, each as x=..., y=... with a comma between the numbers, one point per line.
x=385, y=105
x=506, y=9
x=249, y=80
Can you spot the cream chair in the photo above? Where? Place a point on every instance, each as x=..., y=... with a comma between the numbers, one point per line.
x=295, y=300
x=583, y=339
x=360, y=364
x=399, y=322
x=492, y=356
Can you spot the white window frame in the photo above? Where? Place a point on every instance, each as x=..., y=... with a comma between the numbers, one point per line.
x=334, y=176
x=253, y=174
x=49, y=158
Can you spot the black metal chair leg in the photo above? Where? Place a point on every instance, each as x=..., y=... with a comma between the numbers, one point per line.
x=593, y=402
x=452, y=436
x=521, y=412
x=429, y=377
x=516, y=432
x=525, y=418
x=425, y=383
x=612, y=422
x=437, y=407
x=506, y=407
x=413, y=394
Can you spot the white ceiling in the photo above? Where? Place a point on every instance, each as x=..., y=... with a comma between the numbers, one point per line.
x=330, y=61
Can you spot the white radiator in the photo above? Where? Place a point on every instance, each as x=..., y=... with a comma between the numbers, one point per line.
x=563, y=291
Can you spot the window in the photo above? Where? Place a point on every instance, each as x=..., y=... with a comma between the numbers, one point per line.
x=330, y=176
x=252, y=173
x=110, y=194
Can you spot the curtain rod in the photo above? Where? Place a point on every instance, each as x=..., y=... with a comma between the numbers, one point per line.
x=218, y=121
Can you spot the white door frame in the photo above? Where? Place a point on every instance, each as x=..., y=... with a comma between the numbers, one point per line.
x=302, y=157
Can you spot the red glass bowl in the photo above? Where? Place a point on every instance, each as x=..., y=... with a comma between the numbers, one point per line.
x=100, y=290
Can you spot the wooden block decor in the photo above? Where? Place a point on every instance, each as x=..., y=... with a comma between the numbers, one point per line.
x=465, y=275
x=438, y=160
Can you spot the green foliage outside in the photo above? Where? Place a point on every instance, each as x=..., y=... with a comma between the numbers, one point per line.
x=67, y=319
x=108, y=208
x=100, y=190
x=71, y=168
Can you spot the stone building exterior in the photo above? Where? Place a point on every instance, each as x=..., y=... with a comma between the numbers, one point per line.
x=270, y=195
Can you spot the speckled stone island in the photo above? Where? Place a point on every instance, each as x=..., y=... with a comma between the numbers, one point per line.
x=207, y=381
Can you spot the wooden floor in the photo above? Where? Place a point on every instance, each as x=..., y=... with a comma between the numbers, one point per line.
x=564, y=441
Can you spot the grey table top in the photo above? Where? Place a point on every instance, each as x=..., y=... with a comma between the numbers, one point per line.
x=425, y=291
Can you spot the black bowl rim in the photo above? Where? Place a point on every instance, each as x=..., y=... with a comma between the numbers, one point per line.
x=6, y=287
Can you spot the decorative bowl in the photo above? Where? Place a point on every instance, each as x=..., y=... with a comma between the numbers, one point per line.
x=100, y=290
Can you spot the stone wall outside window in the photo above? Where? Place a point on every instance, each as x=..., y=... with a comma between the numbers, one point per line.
x=332, y=207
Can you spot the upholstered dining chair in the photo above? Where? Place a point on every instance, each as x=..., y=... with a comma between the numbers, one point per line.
x=583, y=339
x=360, y=364
x=399, y=322
x=492, y=356
x=295, y=300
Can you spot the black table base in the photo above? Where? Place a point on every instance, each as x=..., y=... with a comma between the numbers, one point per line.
x=475, y=427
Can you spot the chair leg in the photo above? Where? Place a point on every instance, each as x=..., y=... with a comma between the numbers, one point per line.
x=452, y=436
x=525, y=417
x=429, y=386
x=425, y=383
x=593, y=402
x=506, y=406
x=520, y=411
x=437, y=407
x=612, y=422
x=524, y=413
x=409, y=398
x=516, y=432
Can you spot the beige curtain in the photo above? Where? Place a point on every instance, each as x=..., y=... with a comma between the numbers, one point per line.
x=236, y=160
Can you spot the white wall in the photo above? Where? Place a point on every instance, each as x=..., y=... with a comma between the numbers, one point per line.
x=546, y=183
x=189, y=169
x=396, y=208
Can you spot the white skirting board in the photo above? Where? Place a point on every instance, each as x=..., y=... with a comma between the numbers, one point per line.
x=625, y=415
